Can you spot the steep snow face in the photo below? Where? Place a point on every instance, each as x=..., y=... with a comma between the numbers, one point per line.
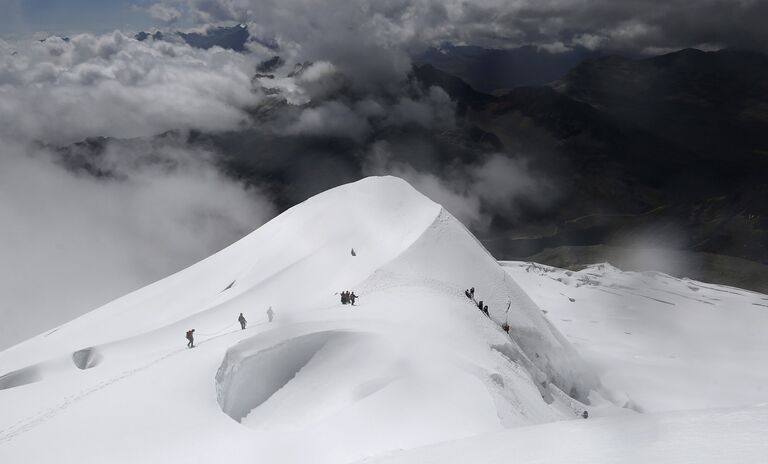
x=414, y=363
x=449, y=257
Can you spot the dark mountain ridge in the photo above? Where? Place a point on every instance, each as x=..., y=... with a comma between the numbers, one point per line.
x=617, y=174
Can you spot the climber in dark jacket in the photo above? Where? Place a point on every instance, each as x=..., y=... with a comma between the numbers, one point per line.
x=352, y=298
x=191, y=338
x=242, y=321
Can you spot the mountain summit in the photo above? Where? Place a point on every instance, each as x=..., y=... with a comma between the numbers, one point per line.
x=414, y=362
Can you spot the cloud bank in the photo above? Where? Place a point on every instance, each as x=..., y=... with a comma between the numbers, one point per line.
x=83, y=225
x=647, y=26
x=62, y=91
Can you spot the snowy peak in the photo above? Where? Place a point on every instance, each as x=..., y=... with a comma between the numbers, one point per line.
x=414, y=362
x=378, y=216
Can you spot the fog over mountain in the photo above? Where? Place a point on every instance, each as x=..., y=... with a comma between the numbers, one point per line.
x=402, y=231
x=228, y=111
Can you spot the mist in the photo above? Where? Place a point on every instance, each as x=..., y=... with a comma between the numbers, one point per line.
x=71, y=242
x=118, y=166
x=84, y=226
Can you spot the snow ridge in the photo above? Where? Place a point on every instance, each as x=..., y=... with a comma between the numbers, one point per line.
x=414, y=363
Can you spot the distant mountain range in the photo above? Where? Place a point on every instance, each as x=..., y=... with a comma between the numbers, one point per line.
x=674, y=144
x=666, y=151
x=228, y=37
x=488, y=70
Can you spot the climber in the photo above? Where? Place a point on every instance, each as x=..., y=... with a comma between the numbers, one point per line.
x=242, y=321
x=344, y=297
x=191, y=338
x=352, y=298
x=485, y=310
x=472, y=292
x=467, y=294
x=505, y=327
x=585, y=414
x=480, y=305
x=270, y=314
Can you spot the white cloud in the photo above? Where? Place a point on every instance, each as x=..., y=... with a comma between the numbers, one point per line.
x=146, y=207
x=554, y=47
x=590, y=41
x=501, y=182
x=329, y=118
x=165, y=13
x=497, y=184
x=433, y=110
x=454, y=197
x=63, y=91
x=71, y=242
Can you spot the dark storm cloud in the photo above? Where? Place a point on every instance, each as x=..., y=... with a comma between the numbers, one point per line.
x=342, y=103
x=345, y=31
x=643, y=26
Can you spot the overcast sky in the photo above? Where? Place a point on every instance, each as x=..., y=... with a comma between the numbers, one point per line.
x=25, y=17
x=72, y=239
x=640, y=25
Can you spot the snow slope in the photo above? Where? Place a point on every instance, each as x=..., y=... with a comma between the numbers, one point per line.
x=414, y=364
x=692, y=356
x=712, y=436
x=666, y=343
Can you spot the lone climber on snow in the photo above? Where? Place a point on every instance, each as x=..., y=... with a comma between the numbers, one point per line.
x=242, y=321
x=270, y=314
x=191, y=338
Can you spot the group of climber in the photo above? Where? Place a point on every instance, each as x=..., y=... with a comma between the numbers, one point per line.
x=241, y=319
x=470, y=293
x=348, y=297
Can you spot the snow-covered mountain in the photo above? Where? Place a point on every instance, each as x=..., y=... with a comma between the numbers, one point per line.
x=414, y=363
x=414, y=372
